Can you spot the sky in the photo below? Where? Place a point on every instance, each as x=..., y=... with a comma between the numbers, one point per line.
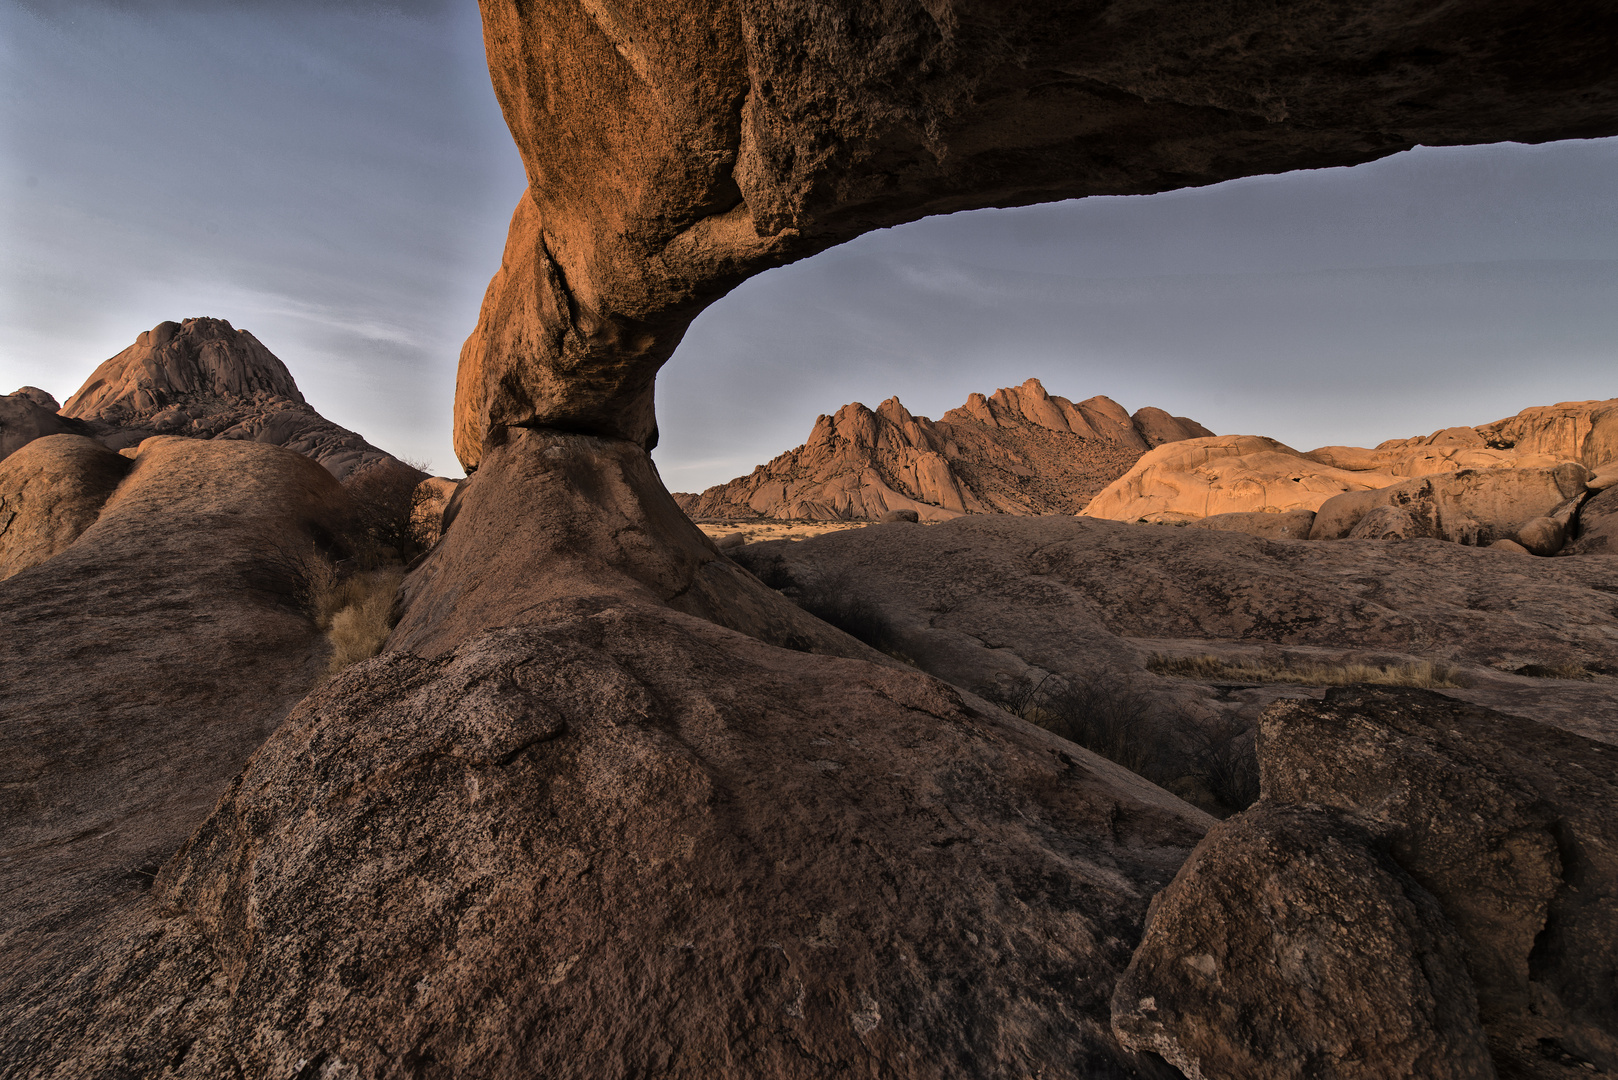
x=336, y=178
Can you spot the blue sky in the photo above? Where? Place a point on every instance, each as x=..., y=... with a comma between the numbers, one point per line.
x=337, y=179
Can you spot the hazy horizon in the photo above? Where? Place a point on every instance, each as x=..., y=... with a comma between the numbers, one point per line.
x=337, y=179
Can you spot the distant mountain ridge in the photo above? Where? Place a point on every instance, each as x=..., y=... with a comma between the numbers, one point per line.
x=1019, y=450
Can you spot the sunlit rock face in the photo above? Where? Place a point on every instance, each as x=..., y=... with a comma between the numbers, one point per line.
x=674, y=149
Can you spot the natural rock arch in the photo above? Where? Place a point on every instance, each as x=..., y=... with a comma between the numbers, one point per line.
x=675, y=148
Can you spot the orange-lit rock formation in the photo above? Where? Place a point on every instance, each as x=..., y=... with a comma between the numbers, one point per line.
x=1199, y=478
x=675, y=149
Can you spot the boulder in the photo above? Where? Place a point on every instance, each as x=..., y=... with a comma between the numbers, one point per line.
x=1199, y=478
x=1542, y=535
x=900, y=515
x=1339, y=514
x=52, y=490
x=1511, y=825
x=24, y=418
x=1290, y=948
x=1290, y=525
x=1473, y=506
x=1510, y=546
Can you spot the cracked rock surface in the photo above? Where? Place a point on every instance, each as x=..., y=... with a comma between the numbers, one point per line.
x=636, y=843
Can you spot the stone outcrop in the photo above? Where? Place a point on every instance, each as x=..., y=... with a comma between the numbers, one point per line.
x=1597, y=531
x=30, y=414
x=554, y=525
x=1507, y=830
x=1201, y=478
x=1018, y=451
x=1290, y=947
x=1583, y=431
x=51, y=490
x=673, y=151
x=205, y=379
x=1472, y=506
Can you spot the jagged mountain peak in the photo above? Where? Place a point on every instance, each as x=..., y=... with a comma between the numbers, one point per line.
x=1019, y=450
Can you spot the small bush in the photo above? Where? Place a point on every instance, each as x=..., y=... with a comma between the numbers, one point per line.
x=1208, y=668
x=837, y=599
x=1227, y=764
x=358, y=628
x=1100, y=711
x=1103, y=712
x=384, y=496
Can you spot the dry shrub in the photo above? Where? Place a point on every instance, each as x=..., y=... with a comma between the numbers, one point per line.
x=384, y=496
x=1214, y=765
x=1208, y=668
x=839, y=599
x=1226, y=763
x=1568, y=670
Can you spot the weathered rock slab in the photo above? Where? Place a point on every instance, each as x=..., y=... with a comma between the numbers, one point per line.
x=143, y=664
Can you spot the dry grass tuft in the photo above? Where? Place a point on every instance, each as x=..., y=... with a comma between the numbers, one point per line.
x=355, y=610
x=1208, y=668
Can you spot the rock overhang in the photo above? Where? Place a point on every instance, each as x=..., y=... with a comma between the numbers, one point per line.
x=674, y=150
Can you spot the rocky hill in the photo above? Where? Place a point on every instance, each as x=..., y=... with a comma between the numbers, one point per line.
x=1018, y=451
x=202, y=378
